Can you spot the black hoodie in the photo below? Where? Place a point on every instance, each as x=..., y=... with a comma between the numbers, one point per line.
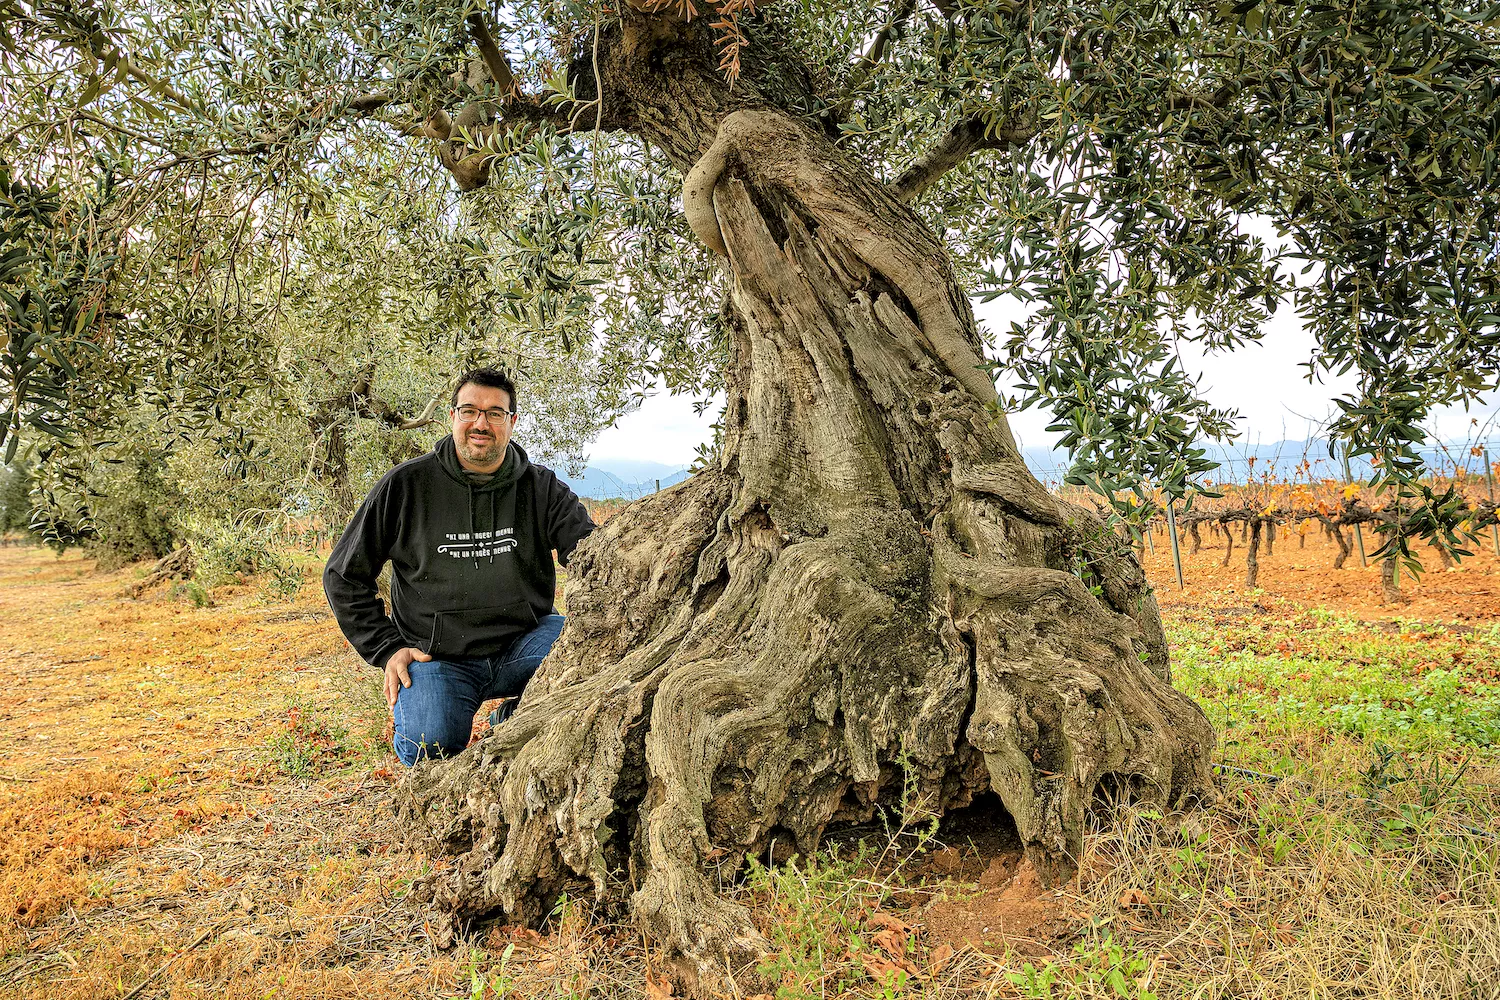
x=471, y=565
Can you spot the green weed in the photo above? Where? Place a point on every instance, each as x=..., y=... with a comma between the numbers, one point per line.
x=308, y=744
x=283, y=578
x=487, y=983
x=814, y=907
x=192, y=591
x=1273, y=685
x=1097, y=968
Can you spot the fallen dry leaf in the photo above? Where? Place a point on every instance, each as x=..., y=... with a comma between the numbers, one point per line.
x=884, y=921
x=658, y=989
x=879, y=969
x=1134, y=897
x=940, y=957
x=891, y=942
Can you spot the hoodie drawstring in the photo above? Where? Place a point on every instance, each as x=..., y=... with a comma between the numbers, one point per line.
x=474, y=525
x=473, y=529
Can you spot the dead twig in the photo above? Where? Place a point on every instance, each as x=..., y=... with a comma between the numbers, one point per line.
x=203, y=936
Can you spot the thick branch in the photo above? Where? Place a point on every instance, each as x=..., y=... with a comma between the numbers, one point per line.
x=963, y=140
x=366, y=103
x=494, y=58
x=423, y=419
x=464, y=138
x=361, y=401
x=899, y=15
x=1182, y=100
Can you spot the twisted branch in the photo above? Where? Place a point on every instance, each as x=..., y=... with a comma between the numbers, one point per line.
x=965, y=138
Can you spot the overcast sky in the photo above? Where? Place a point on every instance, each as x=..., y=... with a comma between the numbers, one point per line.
x=1264, y=382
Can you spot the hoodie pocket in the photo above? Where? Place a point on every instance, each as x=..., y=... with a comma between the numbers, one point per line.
x=479, y=631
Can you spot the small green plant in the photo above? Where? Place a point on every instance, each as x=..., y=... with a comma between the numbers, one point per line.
x=307, y=744
x=1098, y=968
x=815, y=905
x=283, y=577
x=497, y=984
x=192, y=591
x=916, y=819
x=151, y=784
x=100, y=887
x=1192, y=856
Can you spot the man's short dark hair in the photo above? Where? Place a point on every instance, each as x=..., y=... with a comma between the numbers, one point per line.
x=490, y=378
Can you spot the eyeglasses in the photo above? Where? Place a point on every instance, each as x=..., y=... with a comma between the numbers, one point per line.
x=495, y=414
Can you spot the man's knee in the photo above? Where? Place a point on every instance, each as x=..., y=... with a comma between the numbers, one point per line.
x=429, y=721
x=526, y=655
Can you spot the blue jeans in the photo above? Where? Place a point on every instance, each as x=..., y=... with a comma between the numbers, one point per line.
x=435, y=716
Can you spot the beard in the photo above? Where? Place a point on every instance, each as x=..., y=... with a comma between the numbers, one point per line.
x=484, y=451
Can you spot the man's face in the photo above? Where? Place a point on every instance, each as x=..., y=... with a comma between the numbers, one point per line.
x=481, y=442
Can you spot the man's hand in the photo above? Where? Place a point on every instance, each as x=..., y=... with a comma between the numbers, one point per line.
x=396, y=674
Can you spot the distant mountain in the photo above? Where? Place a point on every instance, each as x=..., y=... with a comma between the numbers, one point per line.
x=1282, y=460
x=634, y=470
x=608, y=479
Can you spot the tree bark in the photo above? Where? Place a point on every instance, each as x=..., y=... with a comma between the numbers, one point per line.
x=1228, y=543
x=1390, y=590
x=870, y=589
x=1343, y=543
x=1252, y=558
x=1197, y=538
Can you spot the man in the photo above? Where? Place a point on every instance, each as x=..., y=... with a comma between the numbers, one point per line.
x=469, y=531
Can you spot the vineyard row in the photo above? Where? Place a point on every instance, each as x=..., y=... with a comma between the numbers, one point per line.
x=1342, y=523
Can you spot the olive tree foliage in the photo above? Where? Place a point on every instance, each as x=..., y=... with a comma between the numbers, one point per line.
x=1107, y=165
x=195, y=336
x=15, y=499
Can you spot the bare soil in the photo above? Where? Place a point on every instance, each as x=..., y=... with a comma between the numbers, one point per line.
x=1470, y=592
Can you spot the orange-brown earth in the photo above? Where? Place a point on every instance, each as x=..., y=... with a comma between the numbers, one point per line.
x=141, y=795
x=1470, y=592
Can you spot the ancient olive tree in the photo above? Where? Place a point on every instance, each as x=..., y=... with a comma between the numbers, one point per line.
x=866, y=590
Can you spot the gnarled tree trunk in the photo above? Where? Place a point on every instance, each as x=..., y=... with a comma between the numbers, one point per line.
x=1252, y=556
x=869, y=581
x=1337, y=534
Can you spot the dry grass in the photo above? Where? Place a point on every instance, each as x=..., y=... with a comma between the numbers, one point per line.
x=196, y=804
x=1301, y=890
